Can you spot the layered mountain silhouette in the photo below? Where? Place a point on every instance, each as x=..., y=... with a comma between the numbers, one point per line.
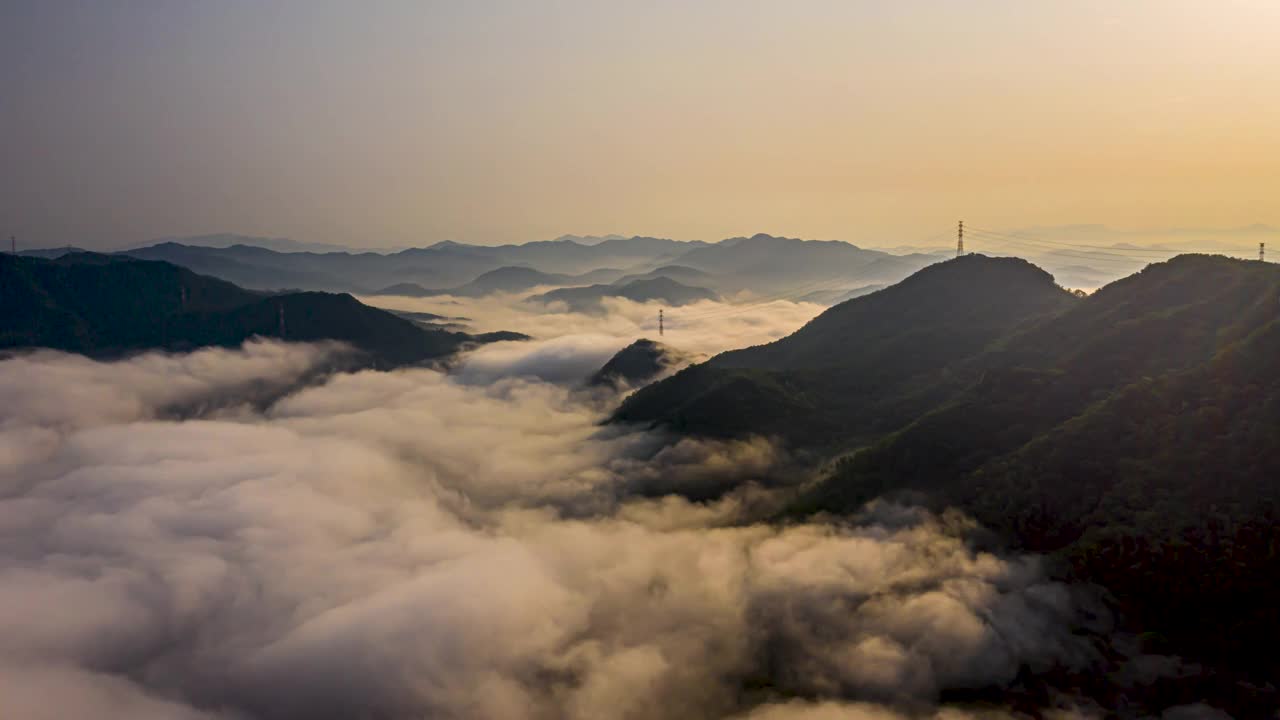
x=679, y=273
x=1131, y=434
x=767, y=264
x=662, y=289
x=106, y=305
x=760, y=265
x=504, y=279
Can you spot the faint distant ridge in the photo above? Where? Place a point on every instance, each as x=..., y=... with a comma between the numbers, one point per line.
x=226, y=240
x=589, y=239
x=1100, y=229
x=508, y=279
x=759, y=265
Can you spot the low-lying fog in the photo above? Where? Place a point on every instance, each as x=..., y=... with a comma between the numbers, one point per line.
x=568, y=346
x=239, y=534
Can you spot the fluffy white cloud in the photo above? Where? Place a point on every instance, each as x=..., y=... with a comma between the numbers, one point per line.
x=567, y=346
x=403, y=545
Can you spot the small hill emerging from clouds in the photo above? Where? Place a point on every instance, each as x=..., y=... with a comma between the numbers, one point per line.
x=106, y=306
x=638, y=363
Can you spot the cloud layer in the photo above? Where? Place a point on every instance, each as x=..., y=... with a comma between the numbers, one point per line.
x=570, y=345
x=409, y=544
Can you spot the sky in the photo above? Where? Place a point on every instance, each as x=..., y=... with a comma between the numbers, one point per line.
x=406, y=123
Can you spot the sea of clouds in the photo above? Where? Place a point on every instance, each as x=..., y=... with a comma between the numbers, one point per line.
x=251, y=534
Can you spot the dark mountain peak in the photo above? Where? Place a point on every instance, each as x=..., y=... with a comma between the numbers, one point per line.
x=406, y=288
x=978, y=267
x=958, y=296
x=638, y=363
x=1182, y=283
x=870, y=358
x=169, y=244
x=511, y=278
x=51, y=252
x=665, y=289
x=1191, y=269
x=757, y=240
x=765, y=240
x=1179, y=312
x=590, y=239
x=88, y=257
x=108, y=305
x=640, y=245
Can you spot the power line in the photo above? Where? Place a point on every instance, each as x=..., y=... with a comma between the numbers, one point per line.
x=1091, y=255
x=1023, y=236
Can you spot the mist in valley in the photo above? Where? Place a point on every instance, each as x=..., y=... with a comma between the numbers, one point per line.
x=470, y=543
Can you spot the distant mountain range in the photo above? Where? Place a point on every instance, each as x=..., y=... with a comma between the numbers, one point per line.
x=110, y=305
x=1133, y=434
x=760, y=266
x=225, y=240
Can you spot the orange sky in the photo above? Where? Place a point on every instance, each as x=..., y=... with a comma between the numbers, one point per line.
x=413, y=122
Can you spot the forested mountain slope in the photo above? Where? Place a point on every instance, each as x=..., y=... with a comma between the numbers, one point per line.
x=863, y=367
x=1133, y=434
x=1137, y=436
x=104, y=306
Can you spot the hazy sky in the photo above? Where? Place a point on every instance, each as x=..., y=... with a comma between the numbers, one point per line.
x=381, y=123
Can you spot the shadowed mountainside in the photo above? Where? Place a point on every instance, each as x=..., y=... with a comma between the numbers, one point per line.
x=104, y=306
x=861, y=368
x=1131, y=434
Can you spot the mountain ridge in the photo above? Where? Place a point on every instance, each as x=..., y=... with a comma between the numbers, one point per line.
x=110, y=305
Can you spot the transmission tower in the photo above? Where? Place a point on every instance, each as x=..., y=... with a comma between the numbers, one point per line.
x=1262, y=252
x=660, y=319
x=960, y=240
